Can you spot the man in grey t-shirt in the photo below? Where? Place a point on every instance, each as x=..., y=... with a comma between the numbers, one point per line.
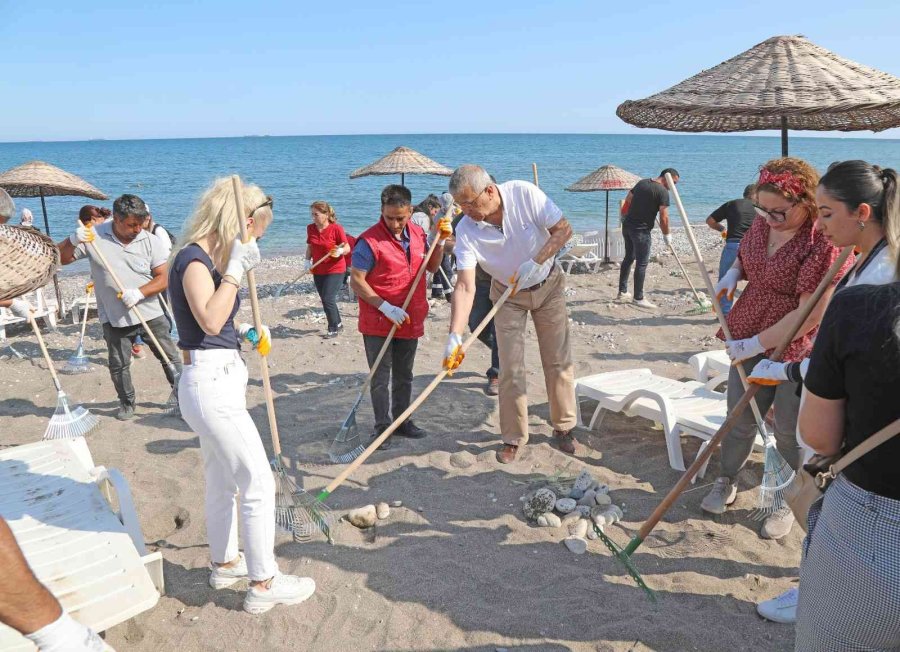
x=139, y=261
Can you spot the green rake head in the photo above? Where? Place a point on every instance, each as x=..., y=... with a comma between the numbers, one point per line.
x=624, y=556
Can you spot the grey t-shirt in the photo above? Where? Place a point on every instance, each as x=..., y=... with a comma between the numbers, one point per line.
x=132, y=263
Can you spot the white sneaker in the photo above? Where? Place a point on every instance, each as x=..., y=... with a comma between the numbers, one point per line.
x=221, y=577
x=643, y=303
x=623, y=296
x=285, y=589
x=782, y=609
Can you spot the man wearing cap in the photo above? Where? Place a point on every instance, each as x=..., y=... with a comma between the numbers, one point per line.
x=139, y=261
x=513, y=231
x=386, y=259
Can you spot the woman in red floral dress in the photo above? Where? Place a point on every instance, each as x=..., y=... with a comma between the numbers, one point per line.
x=783, y=258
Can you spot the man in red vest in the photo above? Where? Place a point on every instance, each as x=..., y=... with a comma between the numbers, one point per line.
x=385, y=261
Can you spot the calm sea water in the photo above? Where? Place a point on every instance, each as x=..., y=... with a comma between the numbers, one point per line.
x=171, y=174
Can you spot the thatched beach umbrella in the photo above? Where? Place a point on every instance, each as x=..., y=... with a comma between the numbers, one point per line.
x=39, y=179
x=785, y=82
x=608, y=177
x=402, y=161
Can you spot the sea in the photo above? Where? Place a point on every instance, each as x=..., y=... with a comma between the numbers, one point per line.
x=171, y=174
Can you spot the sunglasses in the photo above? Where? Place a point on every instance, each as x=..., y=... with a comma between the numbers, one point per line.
x=776, y=216
x=270, y=202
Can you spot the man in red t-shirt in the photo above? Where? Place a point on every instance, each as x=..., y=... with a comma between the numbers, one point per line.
x=386, y=259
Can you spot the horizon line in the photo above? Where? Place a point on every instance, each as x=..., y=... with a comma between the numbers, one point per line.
x=739, y=134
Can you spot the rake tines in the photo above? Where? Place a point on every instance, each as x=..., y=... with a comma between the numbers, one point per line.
x=172, y=408
x=777, y=476
x=69, y=423
x=345, y=447
x=78, y=363
x=297, y=512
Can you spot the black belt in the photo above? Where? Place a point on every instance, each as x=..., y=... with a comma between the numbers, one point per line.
x=542, y=283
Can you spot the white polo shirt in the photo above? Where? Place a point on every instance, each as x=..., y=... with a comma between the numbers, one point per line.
x=528, y=216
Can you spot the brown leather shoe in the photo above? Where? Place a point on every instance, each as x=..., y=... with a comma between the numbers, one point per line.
x=565, y=441
x=507, y=453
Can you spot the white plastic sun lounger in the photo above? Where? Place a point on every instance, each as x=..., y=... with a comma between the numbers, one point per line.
x=580, y=253
x=682, y=408
x=43, y=309
x=91, y=557
x=708, y=364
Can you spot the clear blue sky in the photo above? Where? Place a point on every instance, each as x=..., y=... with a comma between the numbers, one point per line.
x=103, y=69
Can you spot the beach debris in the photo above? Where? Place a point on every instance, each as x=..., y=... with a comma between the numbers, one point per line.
x=540, y=502
x=363, y=517
x=549, y=520
x=382, y=511
x=565, y=505
x=576, y=545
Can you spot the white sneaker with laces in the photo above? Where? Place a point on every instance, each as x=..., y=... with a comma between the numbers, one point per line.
x=221, y=577
x=781, y=609
x=284, y=589
x=623, y=296
x=643, y=303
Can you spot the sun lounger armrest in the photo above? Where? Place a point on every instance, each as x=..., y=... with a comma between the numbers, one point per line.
x=127, y=513
x=713, y=383
x=667, y=416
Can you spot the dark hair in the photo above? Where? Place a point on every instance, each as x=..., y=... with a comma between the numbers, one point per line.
x=88, y=212
x=749, y=191
x=396, y=195
x=671, y=171
x=431, y=202
x=857, y=182
x=130, y=205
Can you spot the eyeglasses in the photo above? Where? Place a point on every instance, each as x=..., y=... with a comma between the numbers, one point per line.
x=270, y=202
x=474, y=199
x=776, y=216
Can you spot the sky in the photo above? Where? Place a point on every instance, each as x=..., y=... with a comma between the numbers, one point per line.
x=132, y=70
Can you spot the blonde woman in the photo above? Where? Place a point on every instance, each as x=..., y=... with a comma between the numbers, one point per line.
x=206, y=271
x=325, y=236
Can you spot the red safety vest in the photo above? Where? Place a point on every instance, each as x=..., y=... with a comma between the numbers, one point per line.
x=391, y=278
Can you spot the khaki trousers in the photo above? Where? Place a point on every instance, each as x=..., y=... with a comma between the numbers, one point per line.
x=547, y=305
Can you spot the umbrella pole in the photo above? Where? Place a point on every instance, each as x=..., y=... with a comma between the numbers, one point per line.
x=534, y=171
x=784, y=136
x=402, y=179
x=606, y=237
x=60, y=309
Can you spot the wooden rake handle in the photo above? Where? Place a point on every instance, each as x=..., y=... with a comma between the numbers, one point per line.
x=40, y=339
x=257, y=318
x=134, y=309
x=683, y=270
x=742, y=404
x=419, y=399
x=406, y=302
x=534, y=172
x=717, y=307
x=87, y=307
x=307, y=271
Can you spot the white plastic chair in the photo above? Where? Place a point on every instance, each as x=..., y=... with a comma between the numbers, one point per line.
x=681, y=408
x=616, y=243
x=76, y=308
x=580, y=253
x=90, y=555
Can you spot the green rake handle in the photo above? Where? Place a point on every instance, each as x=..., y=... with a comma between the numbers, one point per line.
x=732, y=418
x=415, y=404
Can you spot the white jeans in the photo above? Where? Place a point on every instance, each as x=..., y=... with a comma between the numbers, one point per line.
x=212, y=395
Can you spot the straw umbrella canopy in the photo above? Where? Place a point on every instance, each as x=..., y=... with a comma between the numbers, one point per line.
x=402, y=161
x=39, y=179
x=785, y=82
x=608, y=177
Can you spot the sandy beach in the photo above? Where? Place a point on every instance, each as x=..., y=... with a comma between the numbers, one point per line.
x=457, y=566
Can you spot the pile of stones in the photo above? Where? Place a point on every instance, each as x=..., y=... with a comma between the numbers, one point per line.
x=585, y=505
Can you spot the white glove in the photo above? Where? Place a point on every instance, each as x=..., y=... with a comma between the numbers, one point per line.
x=453, y=355
x=528, y=274
x=337, y=251
x=132, y=297
x=82, y=234
x=262, y=344
x=307, y=264
x=767, y=372
x=65, y=634
x=20, y=308
x=742, y=349
x=392, y=312
x=667, y=238
x=244, y=257
x=728, y=284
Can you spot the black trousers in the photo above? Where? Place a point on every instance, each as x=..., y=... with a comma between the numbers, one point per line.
x=637, y=249
x=397, y=366
x=480, y=308
x=328, y=286
x=118, y=346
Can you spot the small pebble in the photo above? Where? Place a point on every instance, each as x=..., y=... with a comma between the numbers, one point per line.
x=592, y=533
x=565, y=505
x=583, y=511
x=602, y=499
x=587, y=498
x=549, y=520
x=382, y=511
x=195, y=618
x=576, y=545
x=583, y=481
x=579, y=528
x=397, y=503
x=576, y=494
x=363, y=517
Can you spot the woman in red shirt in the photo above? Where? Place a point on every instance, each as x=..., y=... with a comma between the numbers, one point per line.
x=325, y=236
x=783, y=258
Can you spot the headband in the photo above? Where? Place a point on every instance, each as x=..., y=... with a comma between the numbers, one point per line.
x=784, y=181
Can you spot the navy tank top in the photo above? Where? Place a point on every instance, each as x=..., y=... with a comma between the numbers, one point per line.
x=190, y=336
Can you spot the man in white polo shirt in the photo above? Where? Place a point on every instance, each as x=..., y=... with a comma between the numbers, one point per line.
x=513, y=231
x=139, y=261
